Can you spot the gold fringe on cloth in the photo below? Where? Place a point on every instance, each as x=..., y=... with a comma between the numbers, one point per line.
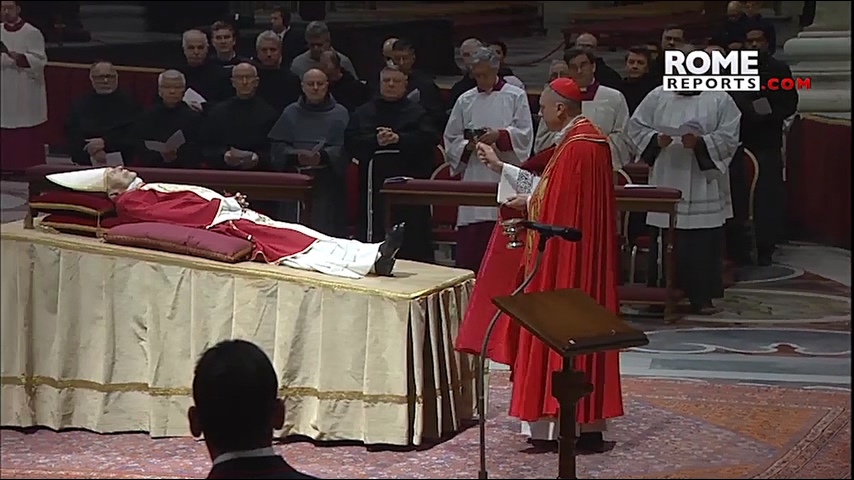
x=105, y=338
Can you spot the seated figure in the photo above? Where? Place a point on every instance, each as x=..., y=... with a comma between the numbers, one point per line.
x=275, y=242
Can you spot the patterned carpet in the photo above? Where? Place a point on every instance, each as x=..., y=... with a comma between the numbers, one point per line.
x=672, y=429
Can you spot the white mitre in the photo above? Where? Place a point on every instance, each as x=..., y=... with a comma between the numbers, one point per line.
x=88, y=180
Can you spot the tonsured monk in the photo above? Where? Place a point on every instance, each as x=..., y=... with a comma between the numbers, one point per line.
x=275, y=242
x=569, y=184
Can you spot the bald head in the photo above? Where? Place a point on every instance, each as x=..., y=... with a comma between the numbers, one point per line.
x=244, y=68
x=244, y=79
x=733, y=8
x=315, y=85
x=388, y=46
x=586, y=41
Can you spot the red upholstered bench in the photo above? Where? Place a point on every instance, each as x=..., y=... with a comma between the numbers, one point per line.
x=255, y=185
x=643, y=295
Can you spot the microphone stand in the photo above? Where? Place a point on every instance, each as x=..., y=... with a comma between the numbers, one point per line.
x=481, y=374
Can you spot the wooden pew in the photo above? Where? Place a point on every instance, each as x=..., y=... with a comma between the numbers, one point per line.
x=483, y=194
x=255, y=185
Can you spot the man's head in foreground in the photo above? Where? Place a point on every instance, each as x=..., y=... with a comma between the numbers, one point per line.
x=560, y=102
x=236, y=406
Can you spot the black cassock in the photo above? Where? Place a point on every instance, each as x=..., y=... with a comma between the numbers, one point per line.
x=240, y=123
x=762, y=134
x=279, y=87
x=158, y=123
x=108, y=116
x=412, y=157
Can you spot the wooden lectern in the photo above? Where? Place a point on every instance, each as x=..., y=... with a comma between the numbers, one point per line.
x=570, y=323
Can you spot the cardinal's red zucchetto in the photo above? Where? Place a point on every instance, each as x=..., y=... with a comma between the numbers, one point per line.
x=566, y=87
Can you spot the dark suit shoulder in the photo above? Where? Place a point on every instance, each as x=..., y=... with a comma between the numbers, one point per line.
x=257, y=468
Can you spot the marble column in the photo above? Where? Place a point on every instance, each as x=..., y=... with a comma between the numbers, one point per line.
x=822, y=53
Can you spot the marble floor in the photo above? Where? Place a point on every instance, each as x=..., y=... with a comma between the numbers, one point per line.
x=789, y=323
x=785, y=324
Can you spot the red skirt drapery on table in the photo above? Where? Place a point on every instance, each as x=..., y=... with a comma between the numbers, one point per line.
x=818, y=180
x=67, y=81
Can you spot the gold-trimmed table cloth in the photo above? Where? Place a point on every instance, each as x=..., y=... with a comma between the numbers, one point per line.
x=105, y=337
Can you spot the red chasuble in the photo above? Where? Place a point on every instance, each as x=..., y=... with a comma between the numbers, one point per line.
x=576, y=190
x=273, y=241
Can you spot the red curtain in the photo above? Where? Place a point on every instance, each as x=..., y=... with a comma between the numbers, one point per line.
x=65, y=82
x=818, y=177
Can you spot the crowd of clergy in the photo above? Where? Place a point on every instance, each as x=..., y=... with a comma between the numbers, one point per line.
x=299, y=106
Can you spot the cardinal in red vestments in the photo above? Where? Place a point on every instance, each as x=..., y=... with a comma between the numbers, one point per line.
x=570, y=184
x=275, y=242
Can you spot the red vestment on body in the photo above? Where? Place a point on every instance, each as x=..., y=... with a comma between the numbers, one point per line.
x=272, y=240
x=576, y=189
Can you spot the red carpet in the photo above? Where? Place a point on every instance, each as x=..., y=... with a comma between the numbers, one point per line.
x=673, y=429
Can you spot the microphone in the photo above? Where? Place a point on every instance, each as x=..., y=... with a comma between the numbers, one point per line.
x=545, y=230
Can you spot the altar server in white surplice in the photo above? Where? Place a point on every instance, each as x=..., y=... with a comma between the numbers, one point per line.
x=689, y=139
x=495, y=113
x=23, y=101
x=604, y=106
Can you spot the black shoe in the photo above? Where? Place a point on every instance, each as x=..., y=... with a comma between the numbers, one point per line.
x=388, y=250
x=591, y=442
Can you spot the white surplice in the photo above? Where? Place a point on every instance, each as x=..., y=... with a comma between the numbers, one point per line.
x=705, y=194
x=23, y=98
x=505, y=108
x=333, y=256
x=610, y=113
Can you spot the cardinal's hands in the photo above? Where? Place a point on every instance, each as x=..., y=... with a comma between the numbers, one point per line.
x=487, y=155
x=518, y=202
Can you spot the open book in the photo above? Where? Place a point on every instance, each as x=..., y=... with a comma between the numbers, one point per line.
x=172, y=144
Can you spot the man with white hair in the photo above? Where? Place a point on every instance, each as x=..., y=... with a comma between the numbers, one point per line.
x=162, y=123
x=467, y=48
x=688, y=139
x=23, y=104
x=234, y=135
x=101, y=122
x=319, y=40
x=277, y=85
x=494, y=113
x=203, y=76
x=605, y=75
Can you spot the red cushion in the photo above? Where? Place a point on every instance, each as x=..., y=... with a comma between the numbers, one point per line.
x=60, y=201
x=662, y=193
x=443, y=186
x=195, y=242
x=444, y=216
x=79, y=224
x=638, y=171
x=646, y=295
x=445, y=235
